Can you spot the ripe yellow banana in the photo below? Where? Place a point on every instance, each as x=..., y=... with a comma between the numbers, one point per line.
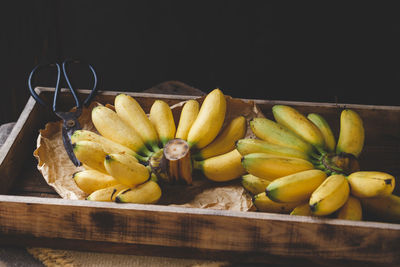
x=125, y=170
x=385, y=208
x=129, y=110
x=299, y=124
x=225, y=141
x=209, y=120
x=163, y=121
x=109, y=125
x=188, y=115
x=302, y=210
x=351, y=136
x=271, y=167
x=264, y=204
x=371, y=184
x=296, y=187
x=146, y=193
x=330, y=195
x=108, y=193
x=91, y=154
x=277, y=134
x=254, y=184
x=91, y=180
x=221, y=168
x=249, y=145
x=109, y=147
x=326, y=131
x=351, y=210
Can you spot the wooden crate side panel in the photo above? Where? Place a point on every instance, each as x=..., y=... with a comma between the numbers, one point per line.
x=278, y=235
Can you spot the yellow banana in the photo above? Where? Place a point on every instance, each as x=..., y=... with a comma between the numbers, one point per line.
x=351, y=136
x=146, y=193
x=302, y=210
x=108, y=193
x=91, y=180
x=91, y=154
x=264, y=204
x=163, y=121
x=109, y=125
x=326, y=131
x=384, y=208
x=277, y=134
x=299, y=124
x=109, y=147
x=254, y=184
x=351, y=210
x=225, y=141
x=188, y=115
x=271, y=167
x=249, y=145
x=129, y=110
x=221, y=168
x=330, y=195
x=125, y=170
x=371, y=184
x=209, y=120
x=296, y=187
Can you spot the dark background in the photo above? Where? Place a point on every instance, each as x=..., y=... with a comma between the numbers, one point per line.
x=302, y=51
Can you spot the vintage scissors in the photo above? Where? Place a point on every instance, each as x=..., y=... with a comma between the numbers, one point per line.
x=70, y=118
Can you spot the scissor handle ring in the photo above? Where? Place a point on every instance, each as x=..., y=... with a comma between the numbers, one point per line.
x=94, y=88
x=32, y=91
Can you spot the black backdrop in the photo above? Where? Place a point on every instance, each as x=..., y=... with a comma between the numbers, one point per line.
x=302, y=51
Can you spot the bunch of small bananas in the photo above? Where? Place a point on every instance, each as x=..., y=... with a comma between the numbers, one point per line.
x=296, y=167
x=135, y=152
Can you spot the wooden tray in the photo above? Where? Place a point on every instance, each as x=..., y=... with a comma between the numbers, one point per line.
x=32, y=214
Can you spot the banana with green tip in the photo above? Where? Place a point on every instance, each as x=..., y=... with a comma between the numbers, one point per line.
x=326, y=131
x=249, y=145
x=264, y=204
x=109, y=147
x=351, y=210
x=146, y=193
x=299, y=124
x=91, y=180
x=296, y=187
x=221, y=168
x=371, y=184
x=189, y=113
x=126, y=171
x=209, y=121
x=163, y=121
x=385, y=208
x=107, y=194
x=110, y=125
x=277, y=134
x=330, y=196
x=91, y=154
x=130, y=111
x=271, y=167
x=351, y=135
x=225, y=141
x=254, y=184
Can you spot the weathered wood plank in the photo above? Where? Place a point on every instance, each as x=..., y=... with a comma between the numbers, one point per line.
x=215, y=230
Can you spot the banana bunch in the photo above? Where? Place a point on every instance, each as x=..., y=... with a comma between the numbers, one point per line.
x=133, y=153
x=295, y=166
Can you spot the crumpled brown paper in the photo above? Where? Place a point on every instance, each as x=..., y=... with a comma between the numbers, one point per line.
x=57, y=169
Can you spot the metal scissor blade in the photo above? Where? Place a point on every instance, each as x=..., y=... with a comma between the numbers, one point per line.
x=69, y=148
